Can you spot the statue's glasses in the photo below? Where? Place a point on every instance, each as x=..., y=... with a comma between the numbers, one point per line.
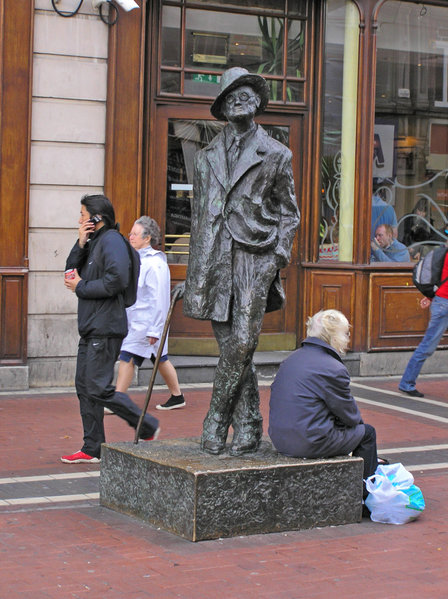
x=241, y=96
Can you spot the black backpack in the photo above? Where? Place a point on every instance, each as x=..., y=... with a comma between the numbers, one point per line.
x=130, y=293
x=427, y=273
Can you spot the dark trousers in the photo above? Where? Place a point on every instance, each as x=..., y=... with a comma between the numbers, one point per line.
x=94, y=375
x=367, y=451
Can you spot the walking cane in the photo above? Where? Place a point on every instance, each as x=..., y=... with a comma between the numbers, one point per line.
x=177, y=291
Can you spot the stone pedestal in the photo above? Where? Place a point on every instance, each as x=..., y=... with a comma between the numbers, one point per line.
x=175, y=486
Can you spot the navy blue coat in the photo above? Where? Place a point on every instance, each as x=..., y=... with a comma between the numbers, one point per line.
x=312, y=412
x=103, y=265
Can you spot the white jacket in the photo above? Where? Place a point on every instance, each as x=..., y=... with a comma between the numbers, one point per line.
x=146, y=318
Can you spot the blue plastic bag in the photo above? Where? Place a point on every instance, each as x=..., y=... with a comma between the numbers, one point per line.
x=393, y=498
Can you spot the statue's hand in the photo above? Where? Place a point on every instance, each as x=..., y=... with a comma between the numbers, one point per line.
x=178, y=291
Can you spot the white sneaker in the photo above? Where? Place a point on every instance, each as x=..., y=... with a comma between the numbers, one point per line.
x=172, y=403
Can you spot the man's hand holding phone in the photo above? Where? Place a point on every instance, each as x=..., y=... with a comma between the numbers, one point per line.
x=86, y=228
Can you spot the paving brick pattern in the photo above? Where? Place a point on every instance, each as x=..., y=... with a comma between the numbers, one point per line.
x=80, y=550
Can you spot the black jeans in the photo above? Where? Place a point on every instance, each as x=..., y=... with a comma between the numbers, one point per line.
x=367, y=451
x=94, y=375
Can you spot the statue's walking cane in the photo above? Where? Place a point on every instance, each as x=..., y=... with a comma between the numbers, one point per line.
x=176, y=294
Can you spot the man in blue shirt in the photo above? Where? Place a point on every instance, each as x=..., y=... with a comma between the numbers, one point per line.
x=387, y=249
x=383, y=214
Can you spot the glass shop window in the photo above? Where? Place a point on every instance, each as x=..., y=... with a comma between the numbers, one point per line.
x=339, y=131
x=185, y=138
x=268, y=38
x=410, y=153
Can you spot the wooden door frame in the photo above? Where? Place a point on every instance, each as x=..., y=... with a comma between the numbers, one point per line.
x=125, y=117
x=16, y=59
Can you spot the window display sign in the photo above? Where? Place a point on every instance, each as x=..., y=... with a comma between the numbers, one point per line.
x=438, y=145
x=383, y=151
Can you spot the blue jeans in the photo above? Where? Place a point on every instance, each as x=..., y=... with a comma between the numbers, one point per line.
x=438, y=324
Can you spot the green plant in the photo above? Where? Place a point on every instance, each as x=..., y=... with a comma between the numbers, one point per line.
x=272, y=41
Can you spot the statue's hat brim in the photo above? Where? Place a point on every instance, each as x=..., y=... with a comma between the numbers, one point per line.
x=236, y=77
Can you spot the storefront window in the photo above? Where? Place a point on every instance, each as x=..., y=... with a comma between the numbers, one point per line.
x=294, y=8
x=339, y=138
x=171, y=36
x=185, y=138
x=410, y=157
x=268, y=39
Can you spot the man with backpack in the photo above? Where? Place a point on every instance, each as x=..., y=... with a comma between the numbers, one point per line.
x=434, y=284
x=101, y=271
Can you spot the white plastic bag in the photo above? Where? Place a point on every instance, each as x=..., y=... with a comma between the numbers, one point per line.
x=393, y=498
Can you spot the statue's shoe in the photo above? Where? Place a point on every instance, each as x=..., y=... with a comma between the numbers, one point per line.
x=214, y=446
x=246, y=446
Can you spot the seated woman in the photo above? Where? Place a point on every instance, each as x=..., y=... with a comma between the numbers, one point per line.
x=312, y=412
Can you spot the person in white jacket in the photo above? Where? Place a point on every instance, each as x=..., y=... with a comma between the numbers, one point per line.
x=146, y=318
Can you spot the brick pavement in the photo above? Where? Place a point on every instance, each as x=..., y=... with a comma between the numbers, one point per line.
x=81, y=550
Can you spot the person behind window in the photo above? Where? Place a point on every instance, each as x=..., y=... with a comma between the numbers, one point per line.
x=382, y=214
x=312, y=413
x=415, y=227
x=384, y=248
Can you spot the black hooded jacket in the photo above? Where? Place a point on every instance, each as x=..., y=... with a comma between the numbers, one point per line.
x=103, y=265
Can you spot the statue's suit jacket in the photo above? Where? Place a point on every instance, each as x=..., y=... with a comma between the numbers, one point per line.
x=254, y=208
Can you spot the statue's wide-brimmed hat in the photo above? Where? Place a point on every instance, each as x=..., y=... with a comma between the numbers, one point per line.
x=236, y=77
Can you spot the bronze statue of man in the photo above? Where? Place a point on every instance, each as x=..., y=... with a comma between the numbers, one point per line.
x=244, y=217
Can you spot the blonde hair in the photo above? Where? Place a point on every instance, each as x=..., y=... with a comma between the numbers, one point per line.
x=332, y=327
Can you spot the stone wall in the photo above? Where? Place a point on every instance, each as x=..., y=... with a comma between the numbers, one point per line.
x=67, y=160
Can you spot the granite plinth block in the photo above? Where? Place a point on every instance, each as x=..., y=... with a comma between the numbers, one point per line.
x=175, y=486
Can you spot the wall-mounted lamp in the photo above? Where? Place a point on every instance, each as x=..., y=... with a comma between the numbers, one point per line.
x=107, y=18
x=126, y=5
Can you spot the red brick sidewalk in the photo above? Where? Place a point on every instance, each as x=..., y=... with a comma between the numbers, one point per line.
x=82, y=550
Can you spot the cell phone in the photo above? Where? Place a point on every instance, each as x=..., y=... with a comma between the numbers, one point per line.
x=96, y=218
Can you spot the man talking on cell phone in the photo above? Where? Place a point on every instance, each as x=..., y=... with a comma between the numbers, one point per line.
x=100, y=272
